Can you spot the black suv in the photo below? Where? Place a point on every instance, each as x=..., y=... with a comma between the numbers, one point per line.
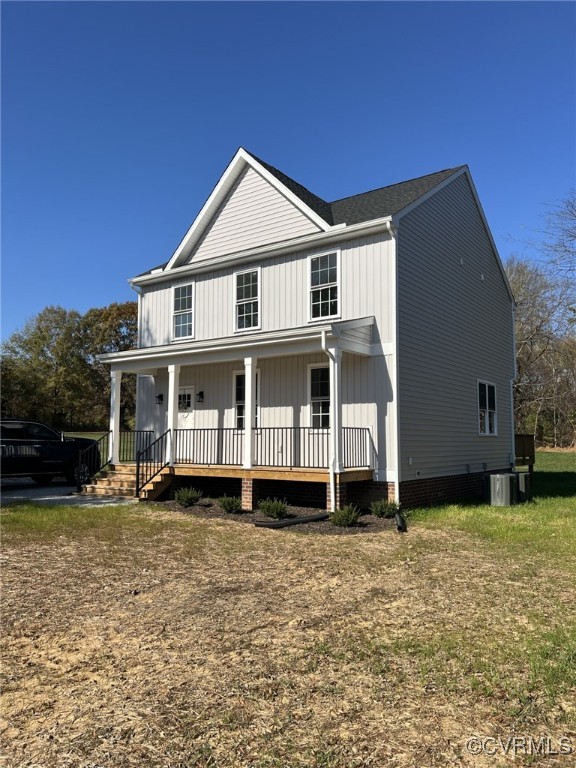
x=34, y=450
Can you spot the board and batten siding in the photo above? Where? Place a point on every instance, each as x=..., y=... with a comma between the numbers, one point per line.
x=365, y=288
x=455, y=326
x=284, y=397
x=254, y=213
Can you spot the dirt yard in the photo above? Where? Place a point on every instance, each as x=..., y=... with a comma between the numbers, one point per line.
x=160, y=639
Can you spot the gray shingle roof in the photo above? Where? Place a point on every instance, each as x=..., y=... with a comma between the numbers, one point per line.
x=319, y=206
x=385, y=201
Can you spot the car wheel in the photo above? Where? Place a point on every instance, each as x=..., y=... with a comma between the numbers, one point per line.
x=79, y=474
x=42, y=479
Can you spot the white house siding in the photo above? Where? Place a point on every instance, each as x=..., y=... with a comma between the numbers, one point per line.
x=455, y=327
x=284, y=396
x=365, y=280
x=254, y=213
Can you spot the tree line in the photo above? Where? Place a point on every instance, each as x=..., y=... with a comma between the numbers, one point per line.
x=51, y=372
x=545, y=294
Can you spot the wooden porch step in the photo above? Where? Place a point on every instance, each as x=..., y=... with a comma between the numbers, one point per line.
x=120, y=480
x=97, y=490
x=154, y=488
x=116, y=480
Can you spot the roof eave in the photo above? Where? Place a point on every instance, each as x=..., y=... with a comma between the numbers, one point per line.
x=241, y=159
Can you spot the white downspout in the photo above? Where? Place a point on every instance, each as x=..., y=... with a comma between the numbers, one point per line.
x=394, y=239
x=331, y=468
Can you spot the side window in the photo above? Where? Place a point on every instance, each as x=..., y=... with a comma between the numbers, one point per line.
x=324, y=286
x=320, y=397
x=240, y=400
x=487, y=421
x=247, y=294
x=40, y=432
x=183, y=323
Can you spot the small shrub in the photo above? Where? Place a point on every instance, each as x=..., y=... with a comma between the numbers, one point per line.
x=345, y=517
x=187, y=497
x=384, y=508
x=231, y=504
x=274, y=508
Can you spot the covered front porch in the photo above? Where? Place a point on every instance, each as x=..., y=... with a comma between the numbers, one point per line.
x=277, y=412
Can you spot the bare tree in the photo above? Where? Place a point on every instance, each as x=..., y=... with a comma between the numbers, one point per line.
x=545, y=396
x=560, y=232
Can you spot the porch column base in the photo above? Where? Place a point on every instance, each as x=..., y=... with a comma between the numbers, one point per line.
x=341, y=493
x=247, y=494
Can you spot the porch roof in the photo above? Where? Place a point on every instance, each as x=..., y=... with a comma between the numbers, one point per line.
x=353, y=336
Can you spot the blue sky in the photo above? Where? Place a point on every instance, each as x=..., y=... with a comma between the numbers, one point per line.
x=119, y=118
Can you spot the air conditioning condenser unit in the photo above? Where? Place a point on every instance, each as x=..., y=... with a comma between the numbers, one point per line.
x=503, y=490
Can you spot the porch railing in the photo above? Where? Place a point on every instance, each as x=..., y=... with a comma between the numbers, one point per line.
x=291, y=447
x=357, y=447
x=150, y=461
x=134, y=441
x=92, y=460
x=208, y=446
x=305, y=447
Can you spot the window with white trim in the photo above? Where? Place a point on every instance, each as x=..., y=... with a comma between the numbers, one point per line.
x=320, y=397
x=324, y=286
x=183, y=324
x=240, y=400
x=487, y=423
x=185, y=399
x=247, y=286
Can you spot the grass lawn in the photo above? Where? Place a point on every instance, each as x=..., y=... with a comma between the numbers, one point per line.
x=139, y=636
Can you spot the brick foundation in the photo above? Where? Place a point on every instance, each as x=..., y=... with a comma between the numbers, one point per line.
x=413, y=493
x=247, y=493
x=297, y=494
x=363, y=493
x=438, y=490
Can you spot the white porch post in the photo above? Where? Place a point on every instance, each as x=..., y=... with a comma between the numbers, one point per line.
x=115, y=384
x=249, y=410
x=172, y=425
x=336, y=408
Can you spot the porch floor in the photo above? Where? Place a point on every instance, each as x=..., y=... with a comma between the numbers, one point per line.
x=295, y=474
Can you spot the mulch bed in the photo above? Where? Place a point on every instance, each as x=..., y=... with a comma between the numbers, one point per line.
x=367, y=523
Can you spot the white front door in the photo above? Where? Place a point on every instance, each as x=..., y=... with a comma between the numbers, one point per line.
x=186, y=407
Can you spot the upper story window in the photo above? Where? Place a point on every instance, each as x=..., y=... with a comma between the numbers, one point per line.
x=247, y=285
x=320, y=397
x=487, y=424
x=324, y=286
x=183, y=311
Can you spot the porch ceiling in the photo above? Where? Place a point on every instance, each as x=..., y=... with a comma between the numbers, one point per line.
x=345, y=335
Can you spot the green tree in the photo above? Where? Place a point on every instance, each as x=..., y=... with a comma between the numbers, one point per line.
x=50, y=371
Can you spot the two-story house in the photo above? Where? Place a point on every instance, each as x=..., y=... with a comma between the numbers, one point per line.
x=331, y=351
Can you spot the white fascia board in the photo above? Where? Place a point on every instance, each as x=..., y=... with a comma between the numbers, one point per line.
x=210, y=206
x=334, y=234
x=289, y=342
x=240, y=160
x=177, y=349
